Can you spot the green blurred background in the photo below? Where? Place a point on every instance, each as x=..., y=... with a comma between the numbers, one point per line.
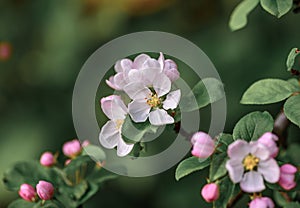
x=50, y=41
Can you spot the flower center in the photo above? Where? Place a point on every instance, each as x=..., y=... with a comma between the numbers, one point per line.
x=119, y=123
x=153, y=101
x=250, y=162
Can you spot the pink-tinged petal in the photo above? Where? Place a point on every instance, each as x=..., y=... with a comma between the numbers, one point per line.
x=139, y=110
x=137, y=90
x=151, y=63
x=259, y=150
x=270, y=170
x=288, y=169
x=119, y=80
x=135, y=75
x=123, y=64
x=109, y=135
x=123, y=149
x=210, y=192
x=261, y=202
x=252, y=182
x=203, y=145
x=172, y=100
x=150, y=74
x=161, y=60
x=170, y=69
x=269, y=140
x=238, y=150
x=161, y=84
x=160, y=117
x=140, y=60
x=235, y=169
x=113, y=107
x=111, y=83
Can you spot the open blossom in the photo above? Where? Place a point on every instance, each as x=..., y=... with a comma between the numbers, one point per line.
x=27, y=192
x=210, y=192
x=269, y=140
x=250, y=164
x=110, y=135
x=47, y=159
x=261, y=202
x=203, y=145
x=72, y=148
x=287, y=176
x=152, y=103
x=45, y=190
x=144, y=64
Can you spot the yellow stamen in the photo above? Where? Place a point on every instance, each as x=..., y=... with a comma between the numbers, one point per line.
x=154, y=101
x=250, y=162
x=119, y=123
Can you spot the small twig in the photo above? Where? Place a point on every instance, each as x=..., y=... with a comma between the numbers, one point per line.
x=180, y=130
x=285, y=196
x=280, y=128
x=234, y=200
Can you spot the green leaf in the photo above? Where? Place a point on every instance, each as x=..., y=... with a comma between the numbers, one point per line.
x=77, y=163
x=293, y=153
x=223, y=141
x=228, y=190
x=133, y=132
x=292, y=109
x=268, y=91
x=189, y=166
x=217, y=167
x=95, y=152
x=21, y=203
x=277, y=7
x=238, y=18
x=292, y=205
x=291, y=58
x=279, y=199
x=253, y=125
x=295, y=83
x=206, y=91
x=100, y=175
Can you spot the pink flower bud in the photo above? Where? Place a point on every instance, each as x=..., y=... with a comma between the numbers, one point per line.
x=203, y=145
x=47, y=159
x=27, y=192
x=261, y=202
x=269, y=140
x=85, y=143
x=45, y=190
x=72, y=148
x=287, y=176
x=210, y=192
x=5, y=51
x=67, y=162
x=170, y=70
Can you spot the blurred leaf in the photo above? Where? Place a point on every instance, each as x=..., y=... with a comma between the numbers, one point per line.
x=189, y=166
x=279, y=199
x=277, y=7
x=238, y=18
x=223, y=140
x=93, y=188
x=291, y=58
x=228, y=190
x=293, y=152
x=20, y=203
x=268, y=91
x=100, y=175
x=217, y=167
x=292, y=109
x=77, y=163
x=292, y=205
x=294, y=82
x=206, y=91
x=133, y=132
x=95, y=152
x=253, y=125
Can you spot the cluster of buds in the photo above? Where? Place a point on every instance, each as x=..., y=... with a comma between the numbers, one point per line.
x=44, y=190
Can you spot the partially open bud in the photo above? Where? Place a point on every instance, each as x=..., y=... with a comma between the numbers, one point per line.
x=287, y=176
x=72, y=148
x=269, y=140
x=27, y=192
x=45, y=190
x=67, y=162
x=47, y=159
x=261, y=202
x=210, y=192
x=85, y=143
x=203, y=145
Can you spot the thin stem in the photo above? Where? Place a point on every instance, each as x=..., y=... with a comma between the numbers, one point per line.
x=235, y=199
x=183, y=132
x=280, y=128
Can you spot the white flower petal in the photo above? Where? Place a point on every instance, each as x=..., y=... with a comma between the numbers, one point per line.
x=140, y=60
x=137, y=90
x=238, y=150
x=109, y=135
x=270, y=170
x=123, y=149
x=123, y=64
x=172, y=100
x=139, y=110
x=259, y=150
x=119, y=80
x=151, y=63
x=235, y=169
x=161, y=84
x=252, y=182
x=110, y=82
x=160, y=117
x=114, y=108
x=161, y=60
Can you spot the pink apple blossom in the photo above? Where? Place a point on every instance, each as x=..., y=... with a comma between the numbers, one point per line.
x=72, y=148
x=210, y=192
x=111, y=133
x=261, y=202
x=250, y=164
x=287, y=176
x=47, y=159
x=45, y=190
x=203, y=145
x=269, y=139
x=27, y=192
x=169, y=67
